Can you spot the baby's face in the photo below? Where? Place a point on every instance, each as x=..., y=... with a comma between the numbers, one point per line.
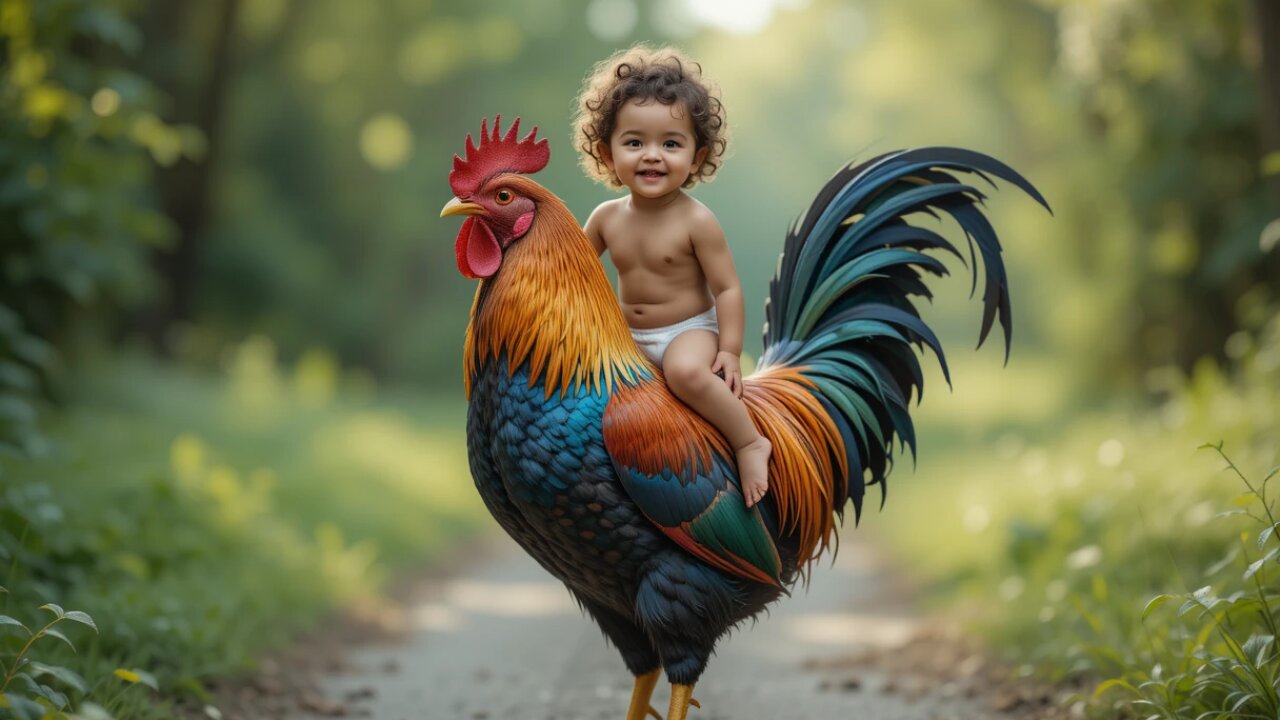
x=652, y=148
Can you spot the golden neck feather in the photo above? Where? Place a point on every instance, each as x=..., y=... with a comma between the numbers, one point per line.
x=551, y=304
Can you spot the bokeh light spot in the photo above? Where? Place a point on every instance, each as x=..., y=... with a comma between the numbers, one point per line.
x=315, y=379
x=1173, y=251
x=1270, y=237
x=543, y=19
x=187, y=457
x=431, y=53
x=27, y=69
x=612, y=19
x=324, y=61
x=673, y=18
x=976, y=518
x=46, y=102
x=386, y=141
x=37, y=176
x=502, y=39
x=1011, y=588
x=1111, y=453
x=105, y=102
x=164, y=142
x=738, y=17
x=258, y=19
x=1085, y=557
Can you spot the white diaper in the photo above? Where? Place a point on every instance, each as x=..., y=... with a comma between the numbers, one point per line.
x=653, y=342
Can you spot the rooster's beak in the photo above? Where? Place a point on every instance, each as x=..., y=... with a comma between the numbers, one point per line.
x=459, y=207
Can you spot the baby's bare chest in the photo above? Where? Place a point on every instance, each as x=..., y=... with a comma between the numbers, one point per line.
x=658, y=247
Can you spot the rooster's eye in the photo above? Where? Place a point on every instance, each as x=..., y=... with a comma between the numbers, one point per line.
x=504, y=197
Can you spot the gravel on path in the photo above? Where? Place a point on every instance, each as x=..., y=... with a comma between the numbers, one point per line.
x=500, y=639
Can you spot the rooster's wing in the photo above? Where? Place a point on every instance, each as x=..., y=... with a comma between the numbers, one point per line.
x=679, y=470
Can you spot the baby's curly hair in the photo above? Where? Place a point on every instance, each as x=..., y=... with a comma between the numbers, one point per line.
x=643, y=73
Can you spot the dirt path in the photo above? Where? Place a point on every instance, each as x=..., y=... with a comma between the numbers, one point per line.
x=502, y=640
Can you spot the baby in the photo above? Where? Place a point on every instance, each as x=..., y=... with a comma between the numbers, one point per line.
x=646, y=121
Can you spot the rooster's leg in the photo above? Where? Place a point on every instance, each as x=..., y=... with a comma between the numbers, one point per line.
x=681, y=699
x=641, y=694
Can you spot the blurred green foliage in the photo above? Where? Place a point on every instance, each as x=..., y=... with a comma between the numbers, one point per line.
x=1169, y=96
x=1139, y=119
x=202, y=521
x=338, y=147
x=325, y=131
x=78, y=141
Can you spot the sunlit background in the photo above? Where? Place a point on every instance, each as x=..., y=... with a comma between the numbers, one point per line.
x=227, y=300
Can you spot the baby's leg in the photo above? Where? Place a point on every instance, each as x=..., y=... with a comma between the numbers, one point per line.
x=687, y=367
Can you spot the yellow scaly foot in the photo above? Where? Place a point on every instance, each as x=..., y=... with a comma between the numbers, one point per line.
x=681, y=699
x=640, y=696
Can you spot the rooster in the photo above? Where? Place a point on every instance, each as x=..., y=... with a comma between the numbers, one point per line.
x=623, y=493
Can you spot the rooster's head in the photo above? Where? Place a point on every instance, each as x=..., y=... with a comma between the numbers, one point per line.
x=486, y=185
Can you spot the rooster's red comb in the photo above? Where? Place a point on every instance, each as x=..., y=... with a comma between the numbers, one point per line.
x=497, y=155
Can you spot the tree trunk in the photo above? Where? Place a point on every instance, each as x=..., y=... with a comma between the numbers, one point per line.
x=1267, y=17
x=186, y=188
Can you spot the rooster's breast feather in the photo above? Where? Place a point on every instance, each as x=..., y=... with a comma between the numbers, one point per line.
x=677, y=469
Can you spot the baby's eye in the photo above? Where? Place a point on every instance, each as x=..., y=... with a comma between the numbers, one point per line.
x=633, y=143
x=671, y=144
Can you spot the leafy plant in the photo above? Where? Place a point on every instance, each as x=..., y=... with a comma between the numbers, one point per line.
x=1233, y=669
x=33, y=690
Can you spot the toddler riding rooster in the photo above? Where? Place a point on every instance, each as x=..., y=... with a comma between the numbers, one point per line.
x=622, y=492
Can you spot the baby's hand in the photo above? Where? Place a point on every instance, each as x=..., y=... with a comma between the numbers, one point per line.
x=729, y=366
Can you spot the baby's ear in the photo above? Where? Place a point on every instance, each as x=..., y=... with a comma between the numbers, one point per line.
x=699, y=157
x=605, y=155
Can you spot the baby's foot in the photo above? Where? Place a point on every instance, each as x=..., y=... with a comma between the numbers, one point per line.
x=753, y=469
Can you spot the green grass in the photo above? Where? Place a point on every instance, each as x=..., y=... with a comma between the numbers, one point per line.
x=1052, y=535
x=201, y=520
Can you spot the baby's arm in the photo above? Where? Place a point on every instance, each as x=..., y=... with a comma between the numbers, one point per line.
x=712, y=252
x=594, y=226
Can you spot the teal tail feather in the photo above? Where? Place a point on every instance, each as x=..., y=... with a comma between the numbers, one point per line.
x=840, y=303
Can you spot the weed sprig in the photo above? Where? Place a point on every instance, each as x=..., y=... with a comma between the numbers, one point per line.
x=1232, y=669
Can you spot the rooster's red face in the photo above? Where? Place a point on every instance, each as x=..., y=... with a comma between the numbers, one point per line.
x=485, y=186
x=500, y=215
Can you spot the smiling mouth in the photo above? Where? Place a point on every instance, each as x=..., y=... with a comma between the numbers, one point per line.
x=651, y=174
